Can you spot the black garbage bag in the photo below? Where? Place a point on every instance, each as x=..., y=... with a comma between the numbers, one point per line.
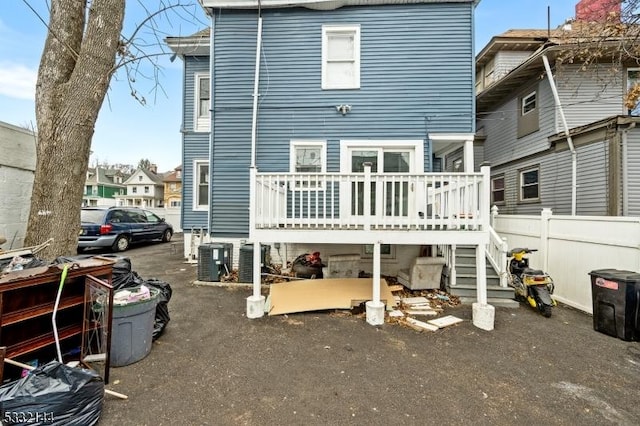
x=21, y=262
x=123, y=274
x=53, y=394
x=162, y=308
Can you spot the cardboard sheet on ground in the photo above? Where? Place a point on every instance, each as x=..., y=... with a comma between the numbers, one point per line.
x=330, y=293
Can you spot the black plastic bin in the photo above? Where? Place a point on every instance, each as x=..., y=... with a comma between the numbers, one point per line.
x=616, y=303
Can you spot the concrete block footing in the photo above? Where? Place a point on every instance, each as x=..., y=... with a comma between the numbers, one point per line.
x=375, y=312
x=483, y=316
x=255, y=307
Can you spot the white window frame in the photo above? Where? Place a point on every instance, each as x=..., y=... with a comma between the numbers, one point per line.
x=504, y=193
x=526, y=101
x=366, y=251
x=521, y=184
x=333, y=29
x=293, y=146
x=631, y=81
x=196, y=184
x=201, y=119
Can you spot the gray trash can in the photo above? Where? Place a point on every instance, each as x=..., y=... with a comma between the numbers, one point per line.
x=132, y=330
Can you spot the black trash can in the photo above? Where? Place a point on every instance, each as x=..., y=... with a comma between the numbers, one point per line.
x=616, y=303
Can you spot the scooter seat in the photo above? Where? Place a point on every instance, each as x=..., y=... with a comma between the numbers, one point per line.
x=529, y=271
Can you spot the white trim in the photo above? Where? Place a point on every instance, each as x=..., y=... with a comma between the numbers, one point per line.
x=196, y=176
x=353, y=29
x=200, y=123
x=524, y=101
x=294, y=144
x=451, y=137
x=521, y=184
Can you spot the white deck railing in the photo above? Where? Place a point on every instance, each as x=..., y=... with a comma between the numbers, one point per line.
x=497, y=255
x=395, y=201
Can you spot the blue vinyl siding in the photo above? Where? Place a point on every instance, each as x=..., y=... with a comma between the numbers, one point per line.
x=416, y=78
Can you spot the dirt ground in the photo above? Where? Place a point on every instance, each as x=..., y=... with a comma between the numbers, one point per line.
x=213, y=366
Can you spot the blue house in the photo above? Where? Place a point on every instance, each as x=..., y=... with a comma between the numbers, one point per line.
x=344, y=127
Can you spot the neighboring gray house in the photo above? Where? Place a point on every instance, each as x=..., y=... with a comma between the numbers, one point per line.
x=17, y=168
x=332, y=142
x=524, y=136
x=144, y=188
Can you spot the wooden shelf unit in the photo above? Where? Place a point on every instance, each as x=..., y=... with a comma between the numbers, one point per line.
x=27, y=300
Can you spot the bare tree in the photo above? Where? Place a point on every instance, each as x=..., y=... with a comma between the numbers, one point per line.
x=82, y=52
x=605, y=40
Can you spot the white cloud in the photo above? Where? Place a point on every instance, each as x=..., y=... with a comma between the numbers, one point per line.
x=17, y=81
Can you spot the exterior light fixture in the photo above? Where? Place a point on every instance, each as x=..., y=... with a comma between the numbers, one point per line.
x=343, y=109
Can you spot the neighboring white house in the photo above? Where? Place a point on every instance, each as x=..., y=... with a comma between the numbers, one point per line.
x=17, y=168
x=144, y=189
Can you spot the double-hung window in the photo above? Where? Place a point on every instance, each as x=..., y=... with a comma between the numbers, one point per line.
x=528, y=103
x=497, y=190
x=201, y=185
x=530, y=184
x=202, y=103
x=308, y=158
x=340, y=56
x=632, y=97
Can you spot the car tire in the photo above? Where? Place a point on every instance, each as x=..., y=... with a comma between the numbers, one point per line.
x=81, y=250
x=166, y=236
x=121, y=243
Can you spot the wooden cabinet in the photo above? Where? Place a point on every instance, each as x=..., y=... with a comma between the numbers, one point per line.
x=82, y=320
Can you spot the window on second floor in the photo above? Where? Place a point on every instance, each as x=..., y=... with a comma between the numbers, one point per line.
x=497, y=190
x=146, y=189
x=529, y=184
x=202, y=103
x=134, y=190
x=201, y=185
x=340, y=56
x=528, y=114
x=632, y=98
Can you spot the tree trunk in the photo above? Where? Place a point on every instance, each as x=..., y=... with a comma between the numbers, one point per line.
x=74, y=74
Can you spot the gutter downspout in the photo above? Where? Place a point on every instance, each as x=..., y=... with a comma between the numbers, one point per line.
x=574, y=155
x=212, y=138
x=625, y=170
x=256, y=83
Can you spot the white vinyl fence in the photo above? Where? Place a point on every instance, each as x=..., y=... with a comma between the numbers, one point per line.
x=569, y=247
x=171, y=215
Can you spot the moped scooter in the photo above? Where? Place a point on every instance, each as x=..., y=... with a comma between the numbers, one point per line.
x=531, y=285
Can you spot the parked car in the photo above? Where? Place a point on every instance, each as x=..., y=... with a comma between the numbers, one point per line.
x=119, y=227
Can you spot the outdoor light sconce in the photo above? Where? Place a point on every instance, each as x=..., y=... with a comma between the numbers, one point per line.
x=343, y=109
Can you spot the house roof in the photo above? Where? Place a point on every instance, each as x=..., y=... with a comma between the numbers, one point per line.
x=194, y=45
x=618, y=120
x=152, y=176
x=312, y=4
x=516, y=40
x=173, y=176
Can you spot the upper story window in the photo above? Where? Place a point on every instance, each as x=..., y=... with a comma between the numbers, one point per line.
x=528, y=113
x=146, y=189
x=529, y=103
x=632, y=97
x=140, y=178
x=202, y=103
x=134, y=190
x=497, y=190
x=340, y=56
x=201, y=185
x=530, y=184
x=308, y=157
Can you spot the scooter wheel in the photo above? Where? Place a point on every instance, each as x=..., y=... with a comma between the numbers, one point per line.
x=545, y=310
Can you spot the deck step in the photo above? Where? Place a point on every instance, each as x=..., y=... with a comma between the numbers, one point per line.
x=503, y=303
x=469, y=290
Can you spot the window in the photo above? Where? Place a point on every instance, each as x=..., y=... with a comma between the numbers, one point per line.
x=340, y=56
x=529, y=103
x=202, y=103
x=146, y=189
x=175, y=204
x=528, y=115
x=497, y=190
x=201, y=185
x=140, y=178
x=633, y=91
x=530, y=184
x=387, y=251
x=134, y=190
x=151, y=217
x=308, y=157
x=172, y=186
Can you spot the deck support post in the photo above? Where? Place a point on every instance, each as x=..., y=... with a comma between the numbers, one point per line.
x=483, y=314
x=255, y=302
x=375, y=308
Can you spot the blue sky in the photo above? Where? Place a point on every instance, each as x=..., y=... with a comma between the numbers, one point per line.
x=127, y=131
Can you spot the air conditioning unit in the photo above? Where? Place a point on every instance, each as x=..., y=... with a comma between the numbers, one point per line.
x=214, y=260
x=245, y=261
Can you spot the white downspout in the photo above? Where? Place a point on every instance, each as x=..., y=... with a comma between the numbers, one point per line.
x=625, y=170
x=256, y=83
x=574, y=155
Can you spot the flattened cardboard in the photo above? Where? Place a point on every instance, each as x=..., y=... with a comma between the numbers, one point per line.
x=445, y=321
x=330, y=293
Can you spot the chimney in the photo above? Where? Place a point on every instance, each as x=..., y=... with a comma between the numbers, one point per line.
x=153, y=168
x=598, y=10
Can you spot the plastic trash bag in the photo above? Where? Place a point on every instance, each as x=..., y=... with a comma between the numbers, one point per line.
x=53, y=394
x=162, y=308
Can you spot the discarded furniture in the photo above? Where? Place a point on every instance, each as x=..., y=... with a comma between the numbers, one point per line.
x=83, y=318
x=343, y=266
x=424, y=273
